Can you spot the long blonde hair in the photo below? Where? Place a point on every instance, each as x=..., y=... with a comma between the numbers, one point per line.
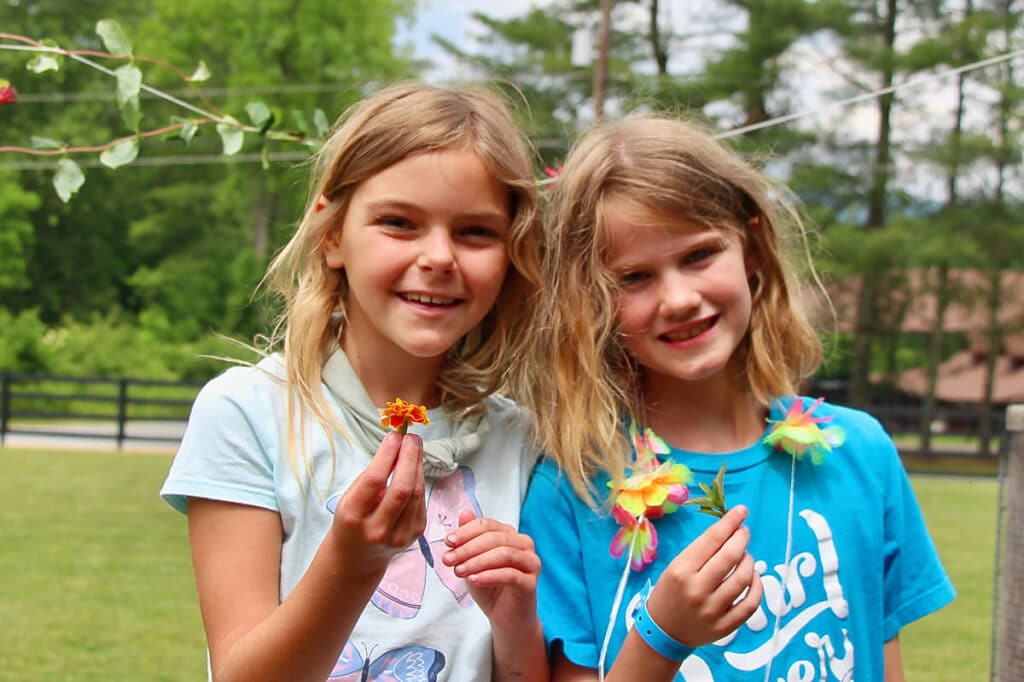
x=574, y=373
x=397, y=122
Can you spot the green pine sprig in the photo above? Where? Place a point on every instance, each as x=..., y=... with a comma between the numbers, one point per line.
x=713, y=502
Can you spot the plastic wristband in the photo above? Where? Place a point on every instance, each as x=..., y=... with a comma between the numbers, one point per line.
x=656, y=638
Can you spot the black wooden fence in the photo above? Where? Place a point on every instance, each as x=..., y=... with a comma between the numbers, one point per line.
x=132, y=409
x=93, y=408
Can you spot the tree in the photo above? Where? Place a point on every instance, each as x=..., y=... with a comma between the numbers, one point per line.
x=190, y=235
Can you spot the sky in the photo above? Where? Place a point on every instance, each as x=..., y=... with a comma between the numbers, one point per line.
x=817, y=84
x=453, y=21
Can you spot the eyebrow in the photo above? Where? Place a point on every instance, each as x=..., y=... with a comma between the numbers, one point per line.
x=398, y=204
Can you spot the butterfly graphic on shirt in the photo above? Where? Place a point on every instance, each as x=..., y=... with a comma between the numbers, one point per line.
x=400, y=592
x=404, y=664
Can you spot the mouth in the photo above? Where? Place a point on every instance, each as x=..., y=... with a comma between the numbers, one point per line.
x=689, y=332
x=428, y=299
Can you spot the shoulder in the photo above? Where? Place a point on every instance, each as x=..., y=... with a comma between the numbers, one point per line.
x=854, y=422
x=548, y=481
x=245, y=385
x=506, y=415
x=857, y=423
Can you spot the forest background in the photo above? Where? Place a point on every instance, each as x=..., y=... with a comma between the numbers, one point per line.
x=147, y=267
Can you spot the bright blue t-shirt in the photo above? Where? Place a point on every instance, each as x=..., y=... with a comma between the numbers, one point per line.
x=861, y=566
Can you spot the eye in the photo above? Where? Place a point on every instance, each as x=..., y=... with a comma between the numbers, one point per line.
x=700, y=254
x=394, y=221
x=481, y=233
x=633, y=279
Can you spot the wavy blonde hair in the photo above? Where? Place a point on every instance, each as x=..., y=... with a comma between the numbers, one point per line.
x=397, y=122
x=575, y=375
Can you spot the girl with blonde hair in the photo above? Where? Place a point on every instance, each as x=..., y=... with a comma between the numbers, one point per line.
x=323, y=546
x=663, y=373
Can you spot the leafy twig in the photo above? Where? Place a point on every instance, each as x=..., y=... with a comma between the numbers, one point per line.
x=713, y=502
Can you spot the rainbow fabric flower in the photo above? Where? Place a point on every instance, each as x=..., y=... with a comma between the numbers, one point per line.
x=646, y=546
x=8, y=95
x=647, y=445
x=799, y=433
x=651, y=490
x=398, y=414
x=654, y=492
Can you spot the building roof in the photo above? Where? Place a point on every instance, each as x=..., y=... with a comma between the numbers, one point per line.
x=914, y=292
x=961, y=378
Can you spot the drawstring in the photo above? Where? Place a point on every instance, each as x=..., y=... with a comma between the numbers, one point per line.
x=615, y=606
x=785, y=569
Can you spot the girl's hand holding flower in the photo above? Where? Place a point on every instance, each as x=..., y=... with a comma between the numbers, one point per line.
x=384, y=509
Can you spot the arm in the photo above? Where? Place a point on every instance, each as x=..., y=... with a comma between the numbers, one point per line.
x=706, y=592
x=893, y=657
x=236, y=553
x=501, y=569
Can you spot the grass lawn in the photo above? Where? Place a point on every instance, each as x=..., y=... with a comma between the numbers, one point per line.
x=953, y=645
x=95, y=577
x=96, y=583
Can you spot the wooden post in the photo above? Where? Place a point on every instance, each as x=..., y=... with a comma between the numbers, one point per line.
x=122, y=410
x=5, y=405
x=601, y=68
x=1010, y=601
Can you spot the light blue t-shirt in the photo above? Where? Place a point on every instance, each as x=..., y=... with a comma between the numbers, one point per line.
x=421, y=619
x=861, y=567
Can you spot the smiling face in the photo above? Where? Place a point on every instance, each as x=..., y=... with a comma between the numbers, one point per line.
x=685, y=302
x=424, y=249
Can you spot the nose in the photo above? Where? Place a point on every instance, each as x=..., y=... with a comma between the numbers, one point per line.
x=678, y=296
x=437, y=252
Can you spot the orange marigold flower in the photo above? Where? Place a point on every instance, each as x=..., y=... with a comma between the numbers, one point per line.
x=398, y=414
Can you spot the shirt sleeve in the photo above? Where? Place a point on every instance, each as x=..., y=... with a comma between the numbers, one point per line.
x=222, y=454
x=915, y=583
x=562, y=595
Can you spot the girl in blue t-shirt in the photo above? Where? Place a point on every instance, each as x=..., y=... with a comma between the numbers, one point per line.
x=324, y=547
x=668, y=347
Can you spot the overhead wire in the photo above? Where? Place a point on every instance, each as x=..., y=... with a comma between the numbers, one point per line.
x=183, y=160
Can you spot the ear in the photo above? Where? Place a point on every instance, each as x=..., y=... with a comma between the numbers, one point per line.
x=750, y=263
x=750, y=250
x=331, y=247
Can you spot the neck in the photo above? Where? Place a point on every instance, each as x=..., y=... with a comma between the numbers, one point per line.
x=387, y=375
x=718, y=416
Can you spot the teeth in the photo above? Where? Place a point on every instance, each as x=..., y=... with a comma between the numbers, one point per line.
x=433, y=300
x=689, y=333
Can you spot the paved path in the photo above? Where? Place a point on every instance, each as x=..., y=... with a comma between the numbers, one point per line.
x=140, y=436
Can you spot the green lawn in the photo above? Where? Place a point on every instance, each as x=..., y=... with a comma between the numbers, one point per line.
x=954, y=644
x=95, y=578
x=96, y=584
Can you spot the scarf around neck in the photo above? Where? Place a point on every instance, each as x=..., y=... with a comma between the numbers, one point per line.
x=441, y=456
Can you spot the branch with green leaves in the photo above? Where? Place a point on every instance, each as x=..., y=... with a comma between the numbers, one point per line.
x=68, y=179
x=713, y=502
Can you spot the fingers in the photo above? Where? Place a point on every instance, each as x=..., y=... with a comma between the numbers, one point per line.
x=707, y=545
x=485, y=551
x=367, y=489
x=407, y=484
x=382, y=512
x=736, y=584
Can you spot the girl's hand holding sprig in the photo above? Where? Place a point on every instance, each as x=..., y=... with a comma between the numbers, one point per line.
x=384, y=509
x=710, y=588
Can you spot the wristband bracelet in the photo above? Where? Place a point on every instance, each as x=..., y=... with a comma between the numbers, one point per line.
x=656, y=638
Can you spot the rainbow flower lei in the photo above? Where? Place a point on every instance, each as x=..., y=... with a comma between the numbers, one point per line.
x=799, y=433
x=651, y=490
x=654, y=488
